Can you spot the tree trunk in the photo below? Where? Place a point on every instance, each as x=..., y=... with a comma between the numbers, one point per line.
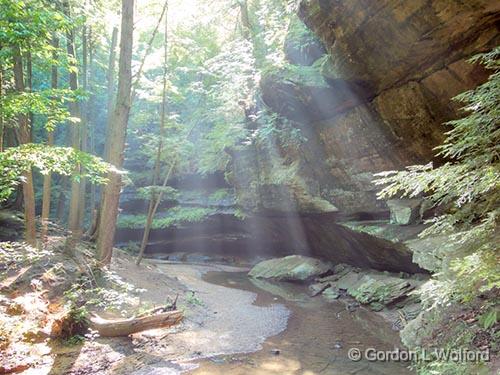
x=148, y=50
x=156, y=173
x=245, y=20
x=91, y=123
x=125, y=327
x=153, y=207
x=1, y=116
x=74, y=109
x=110, y=96
x=24, y=138
x=111, y=193
x=111, y=88
x=61, y=199
x=83, y=128
x=47, y=179
x=29, y=76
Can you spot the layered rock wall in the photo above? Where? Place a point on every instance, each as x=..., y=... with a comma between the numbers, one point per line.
x=393, y=68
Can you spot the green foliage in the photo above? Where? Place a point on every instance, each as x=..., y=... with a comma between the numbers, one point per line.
x=275, y=129
x=304, y=75
x=173, y=217
x=489, y=318
x=16, y=160
x=30, y=24
x=299, y=36
x=220, y=194
x=468, y=185
x=150, y=192
x=193, y=299
x=50, y=103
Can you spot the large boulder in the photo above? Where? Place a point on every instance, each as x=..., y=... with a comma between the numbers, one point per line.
x=290, y=268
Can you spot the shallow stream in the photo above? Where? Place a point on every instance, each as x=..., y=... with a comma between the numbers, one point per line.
x=317, y=338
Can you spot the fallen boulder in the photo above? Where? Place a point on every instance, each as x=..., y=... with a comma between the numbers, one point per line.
x=368, y=287
x=291, y=268
x=373, y=288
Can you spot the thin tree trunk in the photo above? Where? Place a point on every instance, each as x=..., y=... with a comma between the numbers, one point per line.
x=153, y=207
x=91, y=119
x=29, y=76
x=47, y=179
x=61, y=199
x=110, y=106
x=245, y=20
x=111, y=88
x=138, y=75
x=156, y=173
x=137, y=78
x=109, y=211
x=12, y=140
x=83, y=128
x=1, y=116
x=74, y=108
x=24, y=138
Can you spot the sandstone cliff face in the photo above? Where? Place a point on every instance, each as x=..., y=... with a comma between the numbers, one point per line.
x=394, y=66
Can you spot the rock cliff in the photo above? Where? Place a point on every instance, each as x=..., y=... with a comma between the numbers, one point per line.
x=383, y=89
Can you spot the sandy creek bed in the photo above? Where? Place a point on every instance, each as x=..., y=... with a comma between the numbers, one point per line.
x=233, y=325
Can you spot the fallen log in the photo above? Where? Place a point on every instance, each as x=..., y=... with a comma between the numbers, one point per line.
x=125, y=327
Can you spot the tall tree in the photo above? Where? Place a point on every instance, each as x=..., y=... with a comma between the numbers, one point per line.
x=111, y=193
x=110, y=79
x=83, y=125
x=47, y=179
x=92, y=135
x=75, y=110
x=2, y=126
x=24, y=138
